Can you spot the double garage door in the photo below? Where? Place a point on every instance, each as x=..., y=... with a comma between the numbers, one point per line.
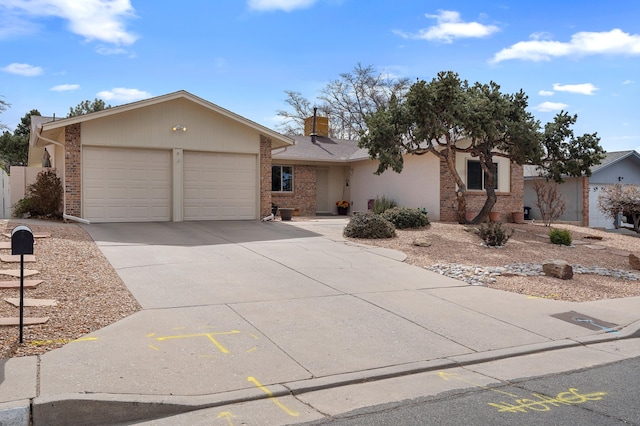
x=135, y=185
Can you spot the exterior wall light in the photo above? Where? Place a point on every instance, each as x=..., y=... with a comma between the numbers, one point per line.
x=179, y=127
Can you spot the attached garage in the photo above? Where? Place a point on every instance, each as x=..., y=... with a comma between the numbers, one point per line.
x=126, y=185
x=171, y=158
x=220, y=186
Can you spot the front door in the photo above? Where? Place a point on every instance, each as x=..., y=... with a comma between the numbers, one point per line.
x=322, y=190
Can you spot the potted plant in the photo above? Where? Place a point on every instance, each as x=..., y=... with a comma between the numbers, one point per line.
x=343, y=206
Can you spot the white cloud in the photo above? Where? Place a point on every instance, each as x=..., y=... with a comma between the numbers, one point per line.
x=25, y=70
x=93, y=19
x=121, y=94
x=585, y=88
x=614, y=42
x=545, y=93
x=65, y=87
x=628, y=82
x=450, y=26
x=286, y=5
x=550, y=106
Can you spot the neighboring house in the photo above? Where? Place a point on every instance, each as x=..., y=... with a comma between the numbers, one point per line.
x=174, y=157
x=317, y=171
x=581, y=193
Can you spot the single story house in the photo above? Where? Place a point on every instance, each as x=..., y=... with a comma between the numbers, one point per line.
x=178, y=157
x=174, y=157
x=581, y=193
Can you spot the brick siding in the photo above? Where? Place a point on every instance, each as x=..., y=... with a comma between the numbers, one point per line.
x=73, y=170
x=265, y=176
x=303, y=196
x=506, y=202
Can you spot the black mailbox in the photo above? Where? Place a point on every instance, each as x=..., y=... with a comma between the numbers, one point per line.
x=21, y=240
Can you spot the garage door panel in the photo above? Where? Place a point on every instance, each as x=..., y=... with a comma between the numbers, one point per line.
x=220, y=186
x=123, y=185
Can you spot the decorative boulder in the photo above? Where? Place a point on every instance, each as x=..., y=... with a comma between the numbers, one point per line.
x=421, y=242
x=558, y=269
x=634, y=261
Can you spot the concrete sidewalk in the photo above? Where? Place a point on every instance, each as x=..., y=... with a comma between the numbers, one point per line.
x=241, y=311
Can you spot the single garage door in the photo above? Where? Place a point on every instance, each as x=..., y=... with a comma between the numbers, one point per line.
x=220, y=186
x=126, y=185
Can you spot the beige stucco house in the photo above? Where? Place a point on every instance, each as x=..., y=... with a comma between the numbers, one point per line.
x=175, y=157
x=178, y=157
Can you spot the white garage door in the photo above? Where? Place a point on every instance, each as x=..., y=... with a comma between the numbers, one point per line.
x=126, y=185
x=597, y=219
x=220, y=186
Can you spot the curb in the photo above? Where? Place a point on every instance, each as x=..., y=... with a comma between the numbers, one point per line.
x=111, y=408
x=16, y=413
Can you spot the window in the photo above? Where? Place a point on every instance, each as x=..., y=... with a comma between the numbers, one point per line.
x=282, y=178
x=475, y=177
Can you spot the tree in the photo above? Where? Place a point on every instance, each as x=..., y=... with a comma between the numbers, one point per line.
x=448, y=116
x=86, y=107
x=3, y=107
x=621, y=199
x=14, y=148
x=345, y=101
x=549, y=200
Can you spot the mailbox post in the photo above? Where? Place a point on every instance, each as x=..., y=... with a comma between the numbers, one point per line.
x=21, y=243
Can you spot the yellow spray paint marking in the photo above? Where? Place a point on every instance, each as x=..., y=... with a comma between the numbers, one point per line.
x=155, y=348
x=227, y=415
x=273, y=398
x=453, y=376
x=209, y=336
x=541, y=402
x=48, y=342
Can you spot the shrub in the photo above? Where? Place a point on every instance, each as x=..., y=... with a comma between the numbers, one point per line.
x=369, y=225
x=43, y=198
x=402, y=217
x=382, y=204
x=560, y=237
x=493, y=234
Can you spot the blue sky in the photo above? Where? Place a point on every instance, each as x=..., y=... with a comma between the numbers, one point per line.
x=581, y=56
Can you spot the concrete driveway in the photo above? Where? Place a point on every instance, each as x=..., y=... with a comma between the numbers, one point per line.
x=229, y=307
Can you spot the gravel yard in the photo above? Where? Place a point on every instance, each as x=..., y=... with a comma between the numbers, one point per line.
x=454, y=246
x=88, y=291
x=90, y=295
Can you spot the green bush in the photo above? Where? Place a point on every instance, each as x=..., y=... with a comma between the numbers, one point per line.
x=493, y=234
x=43, y=197
x=403, y=218
x=369, y=225
x=382, y=204
x=560, y=237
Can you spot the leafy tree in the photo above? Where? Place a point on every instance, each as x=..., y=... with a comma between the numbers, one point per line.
x=87, y=106
x=14, y=148
x=448, y=116
x=345, y=101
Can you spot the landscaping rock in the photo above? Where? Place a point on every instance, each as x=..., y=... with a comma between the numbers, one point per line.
x=421, y=242
x=634, y=261
x=558, y=269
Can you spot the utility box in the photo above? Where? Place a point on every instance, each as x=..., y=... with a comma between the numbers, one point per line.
x=21, y=240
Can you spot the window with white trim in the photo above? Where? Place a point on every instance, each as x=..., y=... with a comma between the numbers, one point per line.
x=476, y=177
x=282, y=178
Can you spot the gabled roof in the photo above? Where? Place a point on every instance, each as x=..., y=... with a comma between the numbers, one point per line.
x=181, y=94
x=324, y=149
x=610, y=159
x=615, y=157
